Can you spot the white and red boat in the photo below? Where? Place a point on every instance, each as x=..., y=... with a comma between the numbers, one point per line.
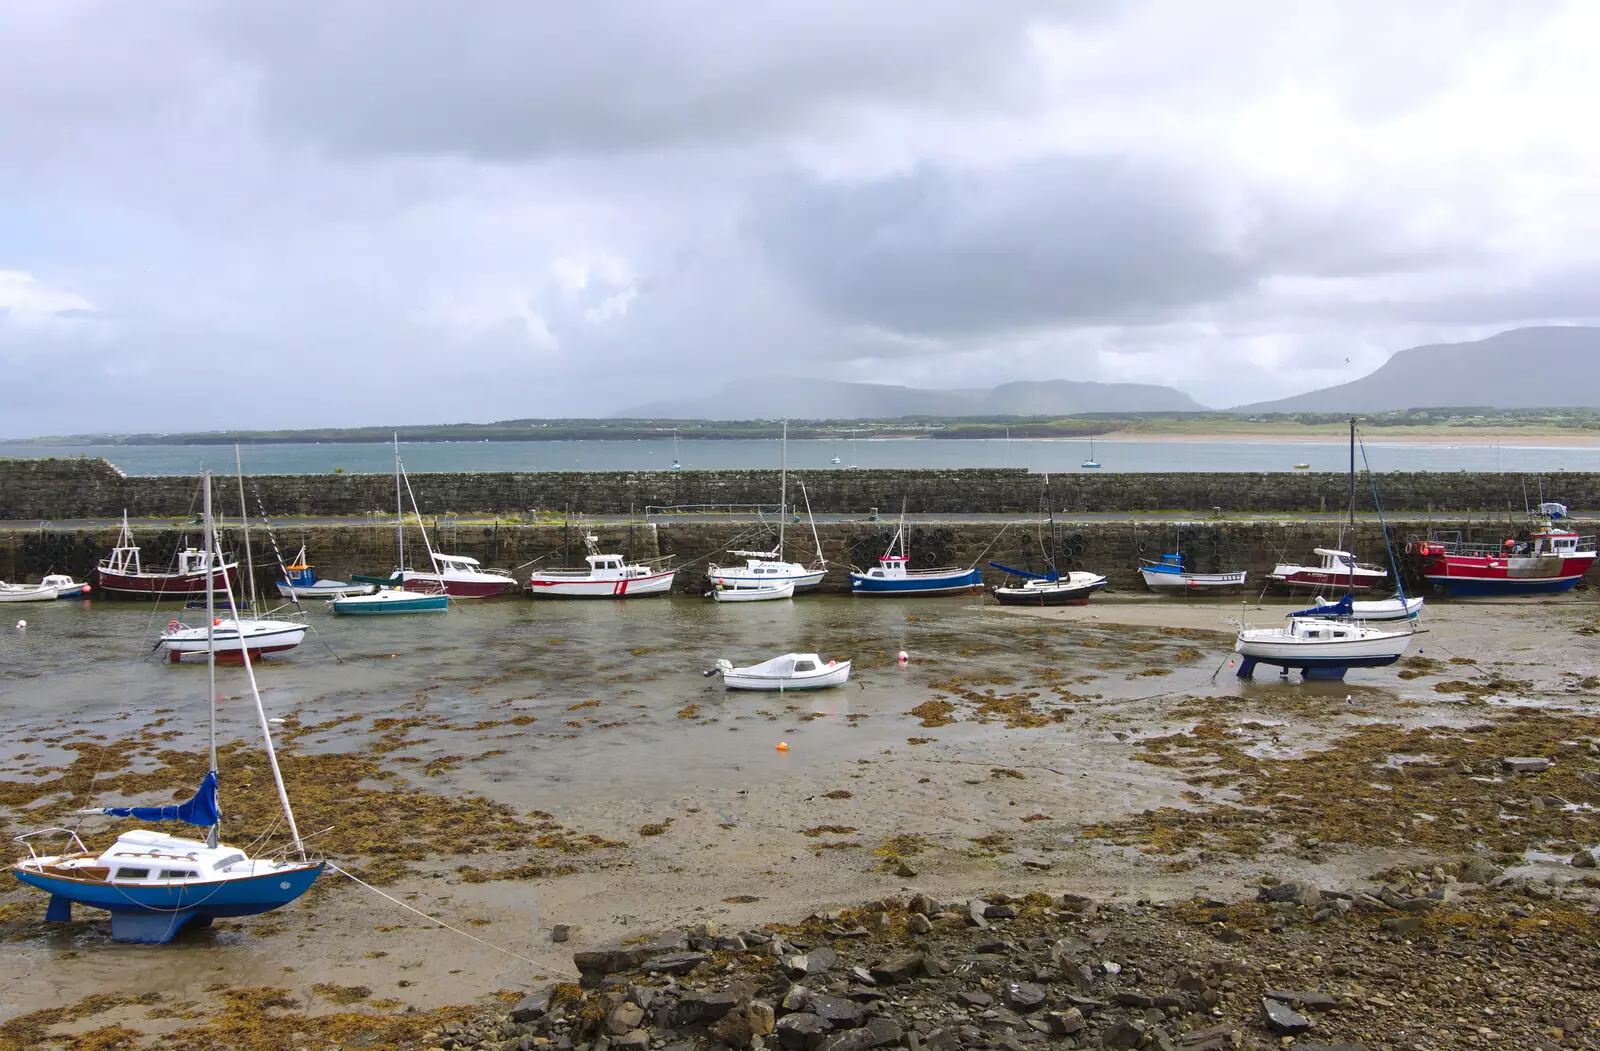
x=604, y=576
x=1338, y=569
x=122, y=575
x=1545, y=560
x=459, y=577
x=229, y=636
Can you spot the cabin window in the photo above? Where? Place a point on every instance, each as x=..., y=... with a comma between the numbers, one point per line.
x=805, y=665
x=127, y=873
x=231, y=859
x=177, y=874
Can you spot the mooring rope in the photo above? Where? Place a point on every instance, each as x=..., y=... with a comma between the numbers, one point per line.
x=411, y=908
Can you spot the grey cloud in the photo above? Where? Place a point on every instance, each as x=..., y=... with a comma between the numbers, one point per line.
x=516, y=80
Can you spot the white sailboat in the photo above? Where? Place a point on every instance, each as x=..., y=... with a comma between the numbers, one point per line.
x=234, y=636
x=1091, y=464
x=792, y=671
x=154, y=884
x=767, y=568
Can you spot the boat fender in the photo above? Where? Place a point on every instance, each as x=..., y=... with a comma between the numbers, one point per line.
x=902, y=657
x=216, y=622
x=22, y=625
x=833, y=664
x=174, y=625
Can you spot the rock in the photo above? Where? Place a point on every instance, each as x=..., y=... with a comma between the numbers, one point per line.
x=1402, y=925
x=675, y=963
x=796, y=998
x=741, y=1026
x=974, y=998
x=1583, y=859
x=975, y=910
x=643, y=995
x=1525, y=764
x=1003, y=911
x=1281, y=1018
x=531, y=1008
x=896, y=968
x=626, y=957
x=623, y=1018
x=854, y=1040
x=560, y=932
x=1215, y=1038
x=1309, y=999
x=919, y=924
x=801, y=1031
x=837, y=1011
x=905, y=870
x=817, y=961
x=1123, y=1035
x=1024, y=996
x=633, y=1040
x=1065, y=1023
x=1330, y=1047
x=884, y=1032
x=1297, y=892
x=1132, y=999
x=923, y=905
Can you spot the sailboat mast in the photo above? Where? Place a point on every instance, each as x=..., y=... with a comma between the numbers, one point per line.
x=813, y=519
x=783, y=487
x=420, y=527
x=261, y=712
x=244, y=520
x=1352, y=504
x=211, y=638
x=399, y=512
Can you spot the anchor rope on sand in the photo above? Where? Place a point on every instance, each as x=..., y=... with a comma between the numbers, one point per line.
x=411, y=908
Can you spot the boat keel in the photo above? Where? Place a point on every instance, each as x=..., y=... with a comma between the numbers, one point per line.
x=1322, y=672
x=151, y=927
x=59, y=910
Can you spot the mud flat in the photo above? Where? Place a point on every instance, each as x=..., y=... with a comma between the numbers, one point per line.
x=515, y=768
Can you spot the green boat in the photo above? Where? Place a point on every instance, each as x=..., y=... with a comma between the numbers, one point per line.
x=389, y=600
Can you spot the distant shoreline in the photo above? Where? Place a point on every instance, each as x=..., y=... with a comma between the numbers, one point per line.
x=1374, y=436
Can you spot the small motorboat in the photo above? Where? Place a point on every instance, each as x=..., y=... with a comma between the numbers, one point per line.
x=27, y=592
x=835, y=460
x=1319, y=648
x=300, y=580
x=229, y=636
x=778, y=589
x=894, y=576
x=1169, y=574
x=1338, y=569
x=388, y=600
x=605, y=576
x=1351, y=608
x=792, y=671
x=65, y=586
x=1302, y=467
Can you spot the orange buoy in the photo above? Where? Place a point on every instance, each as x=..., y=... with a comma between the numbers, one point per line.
x=783, y=746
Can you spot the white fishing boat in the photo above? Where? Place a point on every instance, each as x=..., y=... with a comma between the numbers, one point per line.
x=1383, y=609
x=604, y=576
x=27, y=592
x=1319, y=648
x=765, y=568
x=300, y=580
x=1171, y=574
x=154, y=884
x=764, y=593
x=65, y=586
x=792, y=671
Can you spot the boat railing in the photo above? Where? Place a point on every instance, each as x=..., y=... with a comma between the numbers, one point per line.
x=26, y=839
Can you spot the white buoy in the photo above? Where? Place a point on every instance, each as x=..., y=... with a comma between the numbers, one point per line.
x=22, y=625
x=903, y=657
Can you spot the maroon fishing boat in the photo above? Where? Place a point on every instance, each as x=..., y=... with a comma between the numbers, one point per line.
x=121, y=574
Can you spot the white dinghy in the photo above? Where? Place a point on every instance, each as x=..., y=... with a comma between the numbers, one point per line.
x=768, y=592
x=792, y=671
x=28, y=592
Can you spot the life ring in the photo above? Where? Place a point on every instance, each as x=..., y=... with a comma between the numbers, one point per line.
x=174, y=625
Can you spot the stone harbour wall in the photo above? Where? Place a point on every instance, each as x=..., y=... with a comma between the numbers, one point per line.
x=1115, y=549
x=65, y=489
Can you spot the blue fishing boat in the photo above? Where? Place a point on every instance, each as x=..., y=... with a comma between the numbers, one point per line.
x=389, y=601
x=894, y=575
x=155, y=884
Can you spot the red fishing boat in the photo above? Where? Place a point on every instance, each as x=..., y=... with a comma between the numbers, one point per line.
x=1544, y=560
x=121, y=574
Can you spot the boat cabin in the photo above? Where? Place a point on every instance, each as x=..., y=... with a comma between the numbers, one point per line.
x=891, y=567
x=1314, y=630
x=147, y=858
x=612, y=567
x=459, y=562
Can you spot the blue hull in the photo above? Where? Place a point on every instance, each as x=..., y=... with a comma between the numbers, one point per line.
x=425, y=604
x=155, y=914
x=936, y=584
x=1512, y=586
x=1315, y=667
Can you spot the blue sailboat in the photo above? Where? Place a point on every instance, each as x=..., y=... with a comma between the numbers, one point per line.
x=894, y=575
x=154, y=884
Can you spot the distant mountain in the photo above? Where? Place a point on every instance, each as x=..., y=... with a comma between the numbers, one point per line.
x=1525, y=368
x=805, y=399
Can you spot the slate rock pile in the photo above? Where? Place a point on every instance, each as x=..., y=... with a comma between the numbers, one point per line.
x=1300, y=967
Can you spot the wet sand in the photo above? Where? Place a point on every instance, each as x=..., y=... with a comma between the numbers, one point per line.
x=597, y=717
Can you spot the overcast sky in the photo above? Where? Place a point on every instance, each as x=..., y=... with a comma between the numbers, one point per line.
x=218, y=215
